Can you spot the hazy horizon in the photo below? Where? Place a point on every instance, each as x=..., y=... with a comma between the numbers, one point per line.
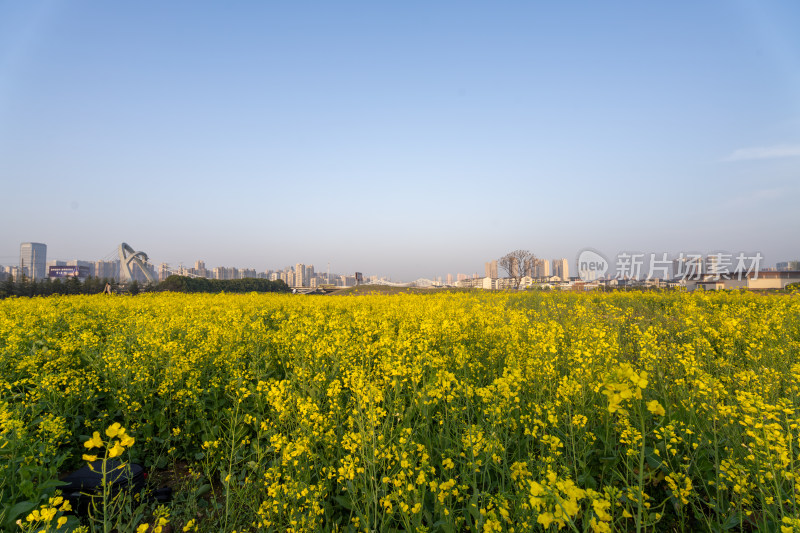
x=407, y=140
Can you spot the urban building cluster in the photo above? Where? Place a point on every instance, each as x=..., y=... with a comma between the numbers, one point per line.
x=533, y=271
x=709, y=272
x=33, y=265
x=692, y=271
x=298, y=275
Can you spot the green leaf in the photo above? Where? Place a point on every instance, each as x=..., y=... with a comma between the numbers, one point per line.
x=733, y=521
x=51, y=484
x=344, y=502
x=587, y=480
x=652, y=459
x=473, y=507
x=26, y=486
x=202, y=489
x=17, y=510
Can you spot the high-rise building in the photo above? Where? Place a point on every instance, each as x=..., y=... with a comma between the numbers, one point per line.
x=33, y=260
x=300, y=275
x=10, y=270
x=55, y=263
x=200, y=269
x=491, y=269
x=163, y=272
x=449, y=279
x=106, y=269
x=89, y=265
x=561, y=268
x=788, y=265
x=540, y=268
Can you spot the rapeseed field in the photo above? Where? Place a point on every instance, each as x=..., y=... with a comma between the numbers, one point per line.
x=441, y=412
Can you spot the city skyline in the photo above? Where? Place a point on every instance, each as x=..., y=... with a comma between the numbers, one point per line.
x=34, y=263
x=405, y=140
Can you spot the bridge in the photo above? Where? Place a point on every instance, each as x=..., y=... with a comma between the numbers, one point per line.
x=316, y=290
x=421, y=283
x=180, y=271
x=129, y=257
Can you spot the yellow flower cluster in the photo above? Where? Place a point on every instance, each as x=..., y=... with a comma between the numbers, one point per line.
x=113, y=448
x=557, y=500
x=623, y=385
x=450, y=411
x=44, y=515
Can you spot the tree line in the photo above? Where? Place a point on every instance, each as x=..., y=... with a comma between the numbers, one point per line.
x=186, y=284
x=47, y=287
x=26, y=287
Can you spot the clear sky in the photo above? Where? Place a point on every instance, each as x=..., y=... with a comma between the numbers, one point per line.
x=407, y=139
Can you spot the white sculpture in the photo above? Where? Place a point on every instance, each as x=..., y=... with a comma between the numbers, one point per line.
x=125, y=260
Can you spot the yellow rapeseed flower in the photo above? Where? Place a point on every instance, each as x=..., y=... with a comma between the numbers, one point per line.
x=114, y=430
x=94, y=442
x=116, y=451
x=656, y=408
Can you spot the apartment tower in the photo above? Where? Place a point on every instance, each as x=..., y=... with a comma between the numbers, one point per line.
x=561, y=268
x=33, y=260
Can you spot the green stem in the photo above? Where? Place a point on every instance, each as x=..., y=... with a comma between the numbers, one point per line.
x=641, y=474
x=106, y=523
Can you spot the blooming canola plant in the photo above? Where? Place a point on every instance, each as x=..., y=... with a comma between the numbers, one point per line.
x=443, y=411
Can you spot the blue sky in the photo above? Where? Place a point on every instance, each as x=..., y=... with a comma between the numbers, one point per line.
x=403, y=139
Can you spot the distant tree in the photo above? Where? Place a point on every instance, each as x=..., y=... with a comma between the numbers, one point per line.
x=186, y=284
x=8, y=287
x=133, y=288
x=42, y=287
x=174, y=283
x=514, y=263
x=31, y=288
x=93, y=285
x=73, y=286
x=46, y=287
x=88, y=285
